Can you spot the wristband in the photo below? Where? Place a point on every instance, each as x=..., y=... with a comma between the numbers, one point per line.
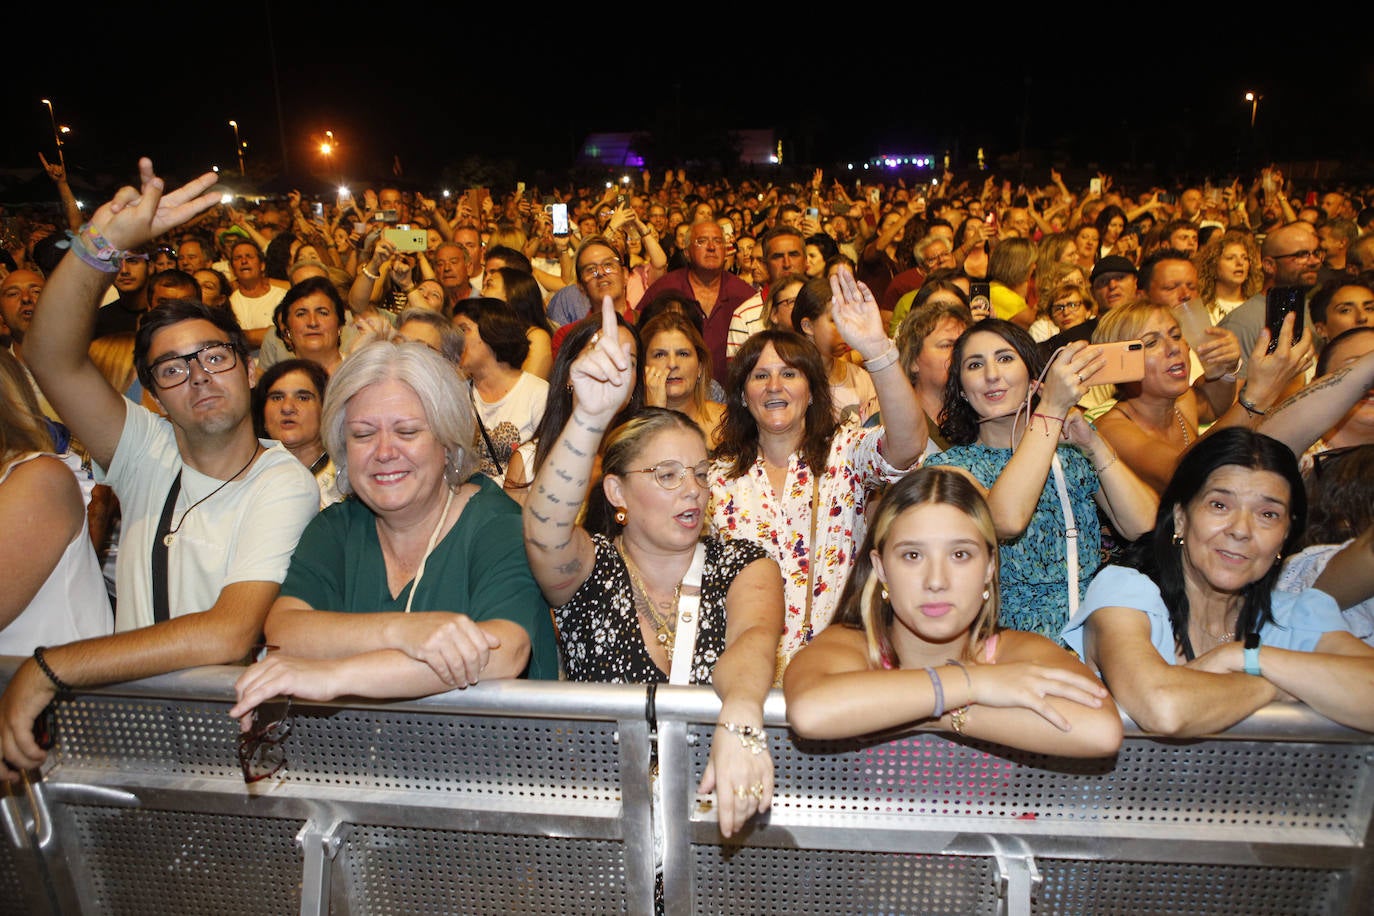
x=1249, y=405
x=62, y=686
x=94, y=249
x=939, y=693
x=880, y=362
x=1251, y=654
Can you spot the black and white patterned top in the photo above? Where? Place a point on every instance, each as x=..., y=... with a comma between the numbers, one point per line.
x=599, y=637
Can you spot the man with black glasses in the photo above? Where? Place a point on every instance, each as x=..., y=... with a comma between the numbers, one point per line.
x=211, y=514
x=1290, y=256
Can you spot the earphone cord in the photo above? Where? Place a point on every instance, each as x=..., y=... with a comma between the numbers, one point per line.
x=1030, y=392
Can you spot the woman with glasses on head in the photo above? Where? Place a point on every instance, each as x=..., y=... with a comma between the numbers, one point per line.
x=419, y=584
x=618, y=584
x=787, y=475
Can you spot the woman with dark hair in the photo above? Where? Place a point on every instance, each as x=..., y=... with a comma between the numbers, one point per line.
x=820, y=248
x=520, y=291
x=638, y=594
x=509, y=401
x=917, y=639
x=310, y=320
x=277, y=258
x=1111, y=224
x=787, y=475
x=1195, y=638
x=287, y=404
x=1033, y=452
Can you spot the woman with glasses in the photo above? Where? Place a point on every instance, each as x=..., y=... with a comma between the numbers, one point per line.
x=1193, y=637
x=419, y=584
x=790, y=477
x=623, y=583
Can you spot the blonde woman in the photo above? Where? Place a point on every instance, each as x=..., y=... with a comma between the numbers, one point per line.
x=916, y=639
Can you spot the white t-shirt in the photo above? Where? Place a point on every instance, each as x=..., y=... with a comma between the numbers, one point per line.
x=855, y=397
x=70, y=605
x=244, y=533
x=510, y=421
x=256, y=312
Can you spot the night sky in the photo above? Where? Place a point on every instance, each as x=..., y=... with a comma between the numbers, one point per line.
x=513, y=100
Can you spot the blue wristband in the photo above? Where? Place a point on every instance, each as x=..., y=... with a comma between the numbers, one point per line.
x=1251, y=654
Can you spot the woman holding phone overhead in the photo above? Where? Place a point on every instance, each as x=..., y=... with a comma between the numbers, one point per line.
x=623, y=587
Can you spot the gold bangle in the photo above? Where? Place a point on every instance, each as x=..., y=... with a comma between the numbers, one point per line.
x=958, y=718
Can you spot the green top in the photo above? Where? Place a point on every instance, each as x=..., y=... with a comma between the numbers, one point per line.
x=478, y=569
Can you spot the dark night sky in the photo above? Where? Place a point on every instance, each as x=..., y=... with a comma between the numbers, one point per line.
x=530, y=95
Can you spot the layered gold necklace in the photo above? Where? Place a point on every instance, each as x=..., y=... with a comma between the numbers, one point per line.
x=664, y=626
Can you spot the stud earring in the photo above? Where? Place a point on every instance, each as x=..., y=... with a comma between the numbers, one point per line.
x=884, y=592
x=987, y=593
x=1178, y=540
x=620, y=516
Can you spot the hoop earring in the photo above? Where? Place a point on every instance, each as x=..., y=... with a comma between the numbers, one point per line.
x=620, y=517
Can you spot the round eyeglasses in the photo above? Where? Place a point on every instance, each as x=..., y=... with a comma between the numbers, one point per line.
x=670, y=474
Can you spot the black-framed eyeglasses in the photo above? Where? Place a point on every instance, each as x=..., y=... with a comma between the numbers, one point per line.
x=1303, y=255
x=603, y=269
x=261, y=754
x=670, y=474
x=1324, y=461
x=174, y=370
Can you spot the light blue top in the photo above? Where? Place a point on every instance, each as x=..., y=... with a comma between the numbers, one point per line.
x=1299, y=620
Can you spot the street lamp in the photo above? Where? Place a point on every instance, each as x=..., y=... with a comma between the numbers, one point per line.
x=1254, y=99
x=327, y=149
x=56, y=133
x=238, y=145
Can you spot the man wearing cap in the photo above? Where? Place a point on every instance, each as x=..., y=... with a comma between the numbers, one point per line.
x=1113, y=282
x=211, y=513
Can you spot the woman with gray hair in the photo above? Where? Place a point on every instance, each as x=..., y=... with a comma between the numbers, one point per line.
x=419, y=584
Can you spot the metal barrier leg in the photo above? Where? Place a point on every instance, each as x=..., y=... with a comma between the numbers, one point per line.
x=29, y=867
x=673, y=764
x=320, y=848
x=1018, y=879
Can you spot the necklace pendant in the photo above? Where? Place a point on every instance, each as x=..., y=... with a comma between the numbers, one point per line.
x=168, y=538
x=663, y=639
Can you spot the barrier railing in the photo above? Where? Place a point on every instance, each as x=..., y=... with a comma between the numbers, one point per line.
x=519, y=797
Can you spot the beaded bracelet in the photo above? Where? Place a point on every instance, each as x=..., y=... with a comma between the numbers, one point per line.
x=755, y=740
x=62, y=686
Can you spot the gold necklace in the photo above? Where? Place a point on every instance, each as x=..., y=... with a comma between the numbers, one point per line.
x=665, y=628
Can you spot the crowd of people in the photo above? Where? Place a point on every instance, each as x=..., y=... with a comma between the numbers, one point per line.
x=998, y=460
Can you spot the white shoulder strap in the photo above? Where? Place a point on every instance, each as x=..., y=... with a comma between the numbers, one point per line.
x=1070, y=532
x=688, y=610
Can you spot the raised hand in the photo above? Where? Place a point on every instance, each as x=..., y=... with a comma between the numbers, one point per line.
x=135, y=216
x=855, y=313
x=58, y=173
x=603, y=376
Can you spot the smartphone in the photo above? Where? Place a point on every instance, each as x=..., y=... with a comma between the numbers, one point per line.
x=1125, y=362
x=875, y=196
x=560, y=218
x=1095, y=185
x=407, y=239
x=619, y=201
x=813, y=212
x=519, y=187
x=980, y=299
x=360, y=228
x=387, y=216
x=317, y=208
x=1278, y=302
x=1166, y=198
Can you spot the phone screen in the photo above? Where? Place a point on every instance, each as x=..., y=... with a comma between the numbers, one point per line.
x=560, y=219
x=1278, y=302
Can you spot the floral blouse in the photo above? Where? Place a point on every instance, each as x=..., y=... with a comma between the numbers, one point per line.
x=746, y=508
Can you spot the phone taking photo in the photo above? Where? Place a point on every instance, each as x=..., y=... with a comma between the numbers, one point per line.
x=1278, y=302
x=559, y=213
x=1124, y=362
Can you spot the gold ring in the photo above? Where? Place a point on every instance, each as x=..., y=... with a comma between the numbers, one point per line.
x=756, y=790
x=741, y=792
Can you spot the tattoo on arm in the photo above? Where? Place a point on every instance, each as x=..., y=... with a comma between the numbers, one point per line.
x=563, y=474
x=574, y=449
x=542, y=519
x=591, y=429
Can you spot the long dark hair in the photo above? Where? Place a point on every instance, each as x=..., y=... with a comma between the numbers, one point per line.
x=739, y=431
x=1158, y=557
x=958, y=420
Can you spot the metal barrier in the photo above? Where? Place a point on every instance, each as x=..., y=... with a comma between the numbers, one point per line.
x=518, y=797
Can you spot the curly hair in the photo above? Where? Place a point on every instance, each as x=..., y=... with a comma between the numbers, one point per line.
x=1209, y=255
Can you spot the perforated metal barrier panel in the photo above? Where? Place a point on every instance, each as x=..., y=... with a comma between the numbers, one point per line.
x=534, y=798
